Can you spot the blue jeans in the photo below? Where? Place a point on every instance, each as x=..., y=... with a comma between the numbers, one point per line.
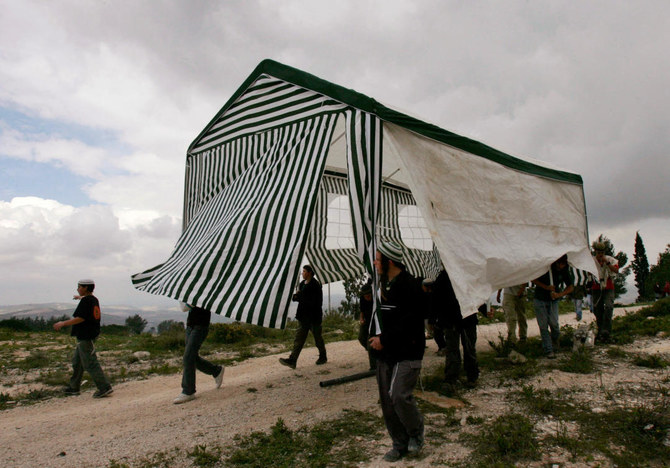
x=195, y=336
x=578, y=308
x=547, y=318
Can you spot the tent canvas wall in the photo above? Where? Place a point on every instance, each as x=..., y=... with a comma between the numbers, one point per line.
x=263, y=174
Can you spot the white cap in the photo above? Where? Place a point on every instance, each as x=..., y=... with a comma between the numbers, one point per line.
x=86, y=282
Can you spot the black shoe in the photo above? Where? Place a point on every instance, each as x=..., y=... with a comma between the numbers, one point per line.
x=103, y=393
x=414, y=445
x=69, y=391
x=287, y=362
x=393, y=455
x=321, y=360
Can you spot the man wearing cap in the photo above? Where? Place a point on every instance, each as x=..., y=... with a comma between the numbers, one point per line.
x=85, y=323
x=399, y=347
x=309, y=315
x=603, y=291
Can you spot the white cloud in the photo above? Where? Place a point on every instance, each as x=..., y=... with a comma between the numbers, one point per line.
x=580, y=86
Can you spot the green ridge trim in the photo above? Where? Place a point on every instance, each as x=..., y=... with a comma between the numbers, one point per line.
x=368, y=104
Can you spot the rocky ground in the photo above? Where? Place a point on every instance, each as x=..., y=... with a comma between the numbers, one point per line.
x=139, y=419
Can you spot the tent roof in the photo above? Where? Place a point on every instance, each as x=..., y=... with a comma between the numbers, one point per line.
x=368, y=104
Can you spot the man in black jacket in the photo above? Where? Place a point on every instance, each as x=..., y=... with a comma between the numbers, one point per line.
x=309, y=315
x=399, y=347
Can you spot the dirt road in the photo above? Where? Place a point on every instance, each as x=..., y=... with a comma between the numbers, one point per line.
x=139, y=418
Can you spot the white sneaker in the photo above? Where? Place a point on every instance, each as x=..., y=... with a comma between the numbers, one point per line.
x=183, y=398
x=218, y=380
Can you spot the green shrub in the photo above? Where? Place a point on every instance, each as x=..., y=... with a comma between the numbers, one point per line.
x=578, y=362
x=114, y=330
x=653, y=361
x=508, y=439
x=229, y=333
x=15, y=324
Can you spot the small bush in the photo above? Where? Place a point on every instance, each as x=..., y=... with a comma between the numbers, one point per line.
x=578, y=362
x=653, y=361
x=507, y=440
x=229, y=333
x=36, y=360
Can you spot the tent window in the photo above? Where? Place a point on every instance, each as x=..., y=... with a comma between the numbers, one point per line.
x=413, y=230
x=338, y=229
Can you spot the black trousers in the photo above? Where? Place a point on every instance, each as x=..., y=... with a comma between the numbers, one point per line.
x=464, y=334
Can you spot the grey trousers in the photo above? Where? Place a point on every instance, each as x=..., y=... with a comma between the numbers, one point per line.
x=301, y=337
x=85, y=359
x=401, y=413
x=195, y=336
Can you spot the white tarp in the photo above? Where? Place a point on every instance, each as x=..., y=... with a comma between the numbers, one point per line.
x=493, y=226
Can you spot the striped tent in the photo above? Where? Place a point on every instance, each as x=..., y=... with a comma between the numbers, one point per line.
x=294, y=166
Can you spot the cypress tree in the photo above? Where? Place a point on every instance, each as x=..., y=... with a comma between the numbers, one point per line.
x=640, y=267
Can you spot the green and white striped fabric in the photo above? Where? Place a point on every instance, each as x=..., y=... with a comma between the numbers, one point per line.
x=252, y=182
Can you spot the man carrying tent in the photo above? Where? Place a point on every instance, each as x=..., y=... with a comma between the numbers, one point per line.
x=547, y=294
x=603, y=292
x=309, y=315
x=399, y=348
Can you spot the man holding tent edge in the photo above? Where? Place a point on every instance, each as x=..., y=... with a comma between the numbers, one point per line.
x=399, y=348
x=309, y=315
x=547, y=294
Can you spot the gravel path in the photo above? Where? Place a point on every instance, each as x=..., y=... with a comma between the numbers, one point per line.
x=139, y=418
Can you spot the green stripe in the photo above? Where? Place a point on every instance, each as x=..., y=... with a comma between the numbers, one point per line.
x=367, y=104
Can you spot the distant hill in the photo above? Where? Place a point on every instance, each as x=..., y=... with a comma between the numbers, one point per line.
x=117, y=314
x=111, y=315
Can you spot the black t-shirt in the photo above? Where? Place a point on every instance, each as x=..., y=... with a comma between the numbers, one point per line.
x=561, y=280
x=89, y=310
x=198, y=316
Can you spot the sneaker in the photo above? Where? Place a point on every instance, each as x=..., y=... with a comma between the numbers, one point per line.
x=103, y=393
x=393, y=455
x=287, y=362
x=69, y=391
x=183, y=398
x=218, y=379
x=414, y=445
x=321, y=360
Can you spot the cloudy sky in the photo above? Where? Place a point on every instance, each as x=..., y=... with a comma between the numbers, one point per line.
x=99, y=101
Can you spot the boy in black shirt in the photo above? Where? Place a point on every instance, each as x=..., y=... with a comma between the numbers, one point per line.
x=85, y=323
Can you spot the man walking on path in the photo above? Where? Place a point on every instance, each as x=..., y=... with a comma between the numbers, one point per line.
x=85, y=323
x=309, y=316
x=197, y=328
x=399, y=347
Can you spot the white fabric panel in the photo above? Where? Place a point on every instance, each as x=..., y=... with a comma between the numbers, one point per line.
x=493, y=226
